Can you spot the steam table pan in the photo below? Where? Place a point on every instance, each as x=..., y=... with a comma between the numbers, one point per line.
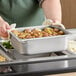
x=39, y=45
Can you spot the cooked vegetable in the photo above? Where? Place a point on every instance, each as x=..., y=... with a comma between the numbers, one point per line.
x=7, y=45
x=37, y=33
x=2, y=58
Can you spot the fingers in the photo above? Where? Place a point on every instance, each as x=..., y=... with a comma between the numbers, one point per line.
x=4, y=26
x=2, y=34
x=53, y=22
x=58, y=23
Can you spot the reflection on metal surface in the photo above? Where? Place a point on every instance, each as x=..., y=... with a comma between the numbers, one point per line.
x=66, y=64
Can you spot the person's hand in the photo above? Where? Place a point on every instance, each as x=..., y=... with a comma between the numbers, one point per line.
x=58, y=23
x=4, y=26
x=53, y=22
x=49, y=22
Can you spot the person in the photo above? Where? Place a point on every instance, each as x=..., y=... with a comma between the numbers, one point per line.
x=27, y=13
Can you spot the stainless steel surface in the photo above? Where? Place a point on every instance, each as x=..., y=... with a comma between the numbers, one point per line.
x=32, y=64
x=28, y=59
x=73, y=35
x=39, y=45
x=5, y=55
x=37, y=58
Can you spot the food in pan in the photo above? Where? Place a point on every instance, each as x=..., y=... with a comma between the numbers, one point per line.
x=37, y=33
x=2, y=58
x=7, y=44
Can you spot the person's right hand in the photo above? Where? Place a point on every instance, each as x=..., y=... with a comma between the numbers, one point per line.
x=4, y=26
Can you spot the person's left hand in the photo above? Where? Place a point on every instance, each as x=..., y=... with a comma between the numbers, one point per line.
x=53, y=22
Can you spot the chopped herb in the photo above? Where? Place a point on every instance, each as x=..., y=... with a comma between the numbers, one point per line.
x=7, y=45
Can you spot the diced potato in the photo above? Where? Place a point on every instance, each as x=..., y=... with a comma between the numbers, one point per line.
x=2, y=59
x=37, y=33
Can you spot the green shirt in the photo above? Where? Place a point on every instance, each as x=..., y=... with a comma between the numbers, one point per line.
x=22, y=12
